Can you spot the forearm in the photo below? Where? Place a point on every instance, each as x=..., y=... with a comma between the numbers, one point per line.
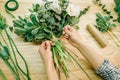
x=51, y=71
x=91, y=54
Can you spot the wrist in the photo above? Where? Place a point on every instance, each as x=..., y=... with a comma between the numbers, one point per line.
x=48, y=62
x=81, y=44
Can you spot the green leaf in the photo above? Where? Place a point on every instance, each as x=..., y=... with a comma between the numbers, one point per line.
x=2, y=22
x=4, y=55
x=73, y=20
x=33, y=19
x=11, y=29
x=102, y=23
x=6, y=50
x=20, y=31
x=35, y=31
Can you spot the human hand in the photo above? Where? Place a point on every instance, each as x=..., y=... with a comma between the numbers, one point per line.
x=71, y=35
x=45, y=52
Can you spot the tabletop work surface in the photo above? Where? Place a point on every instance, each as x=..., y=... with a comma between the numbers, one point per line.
x=33, y=58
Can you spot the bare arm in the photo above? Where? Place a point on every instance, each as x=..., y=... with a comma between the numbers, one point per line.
x=51, y=71
x=91, y=54
x=45, y=52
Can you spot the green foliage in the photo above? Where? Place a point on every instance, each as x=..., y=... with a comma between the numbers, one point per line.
x=117, y=9
x=102, y=23
x=45, y=21
x=2, y=23
x=5, y=54
x=103, y=7
x=84, y=11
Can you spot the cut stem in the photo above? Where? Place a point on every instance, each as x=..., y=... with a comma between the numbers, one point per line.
x=2, y=75
x=113, y=38
x=13, y=44
x=79, y=64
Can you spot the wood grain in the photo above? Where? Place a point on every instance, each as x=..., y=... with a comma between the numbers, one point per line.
x=30, y=50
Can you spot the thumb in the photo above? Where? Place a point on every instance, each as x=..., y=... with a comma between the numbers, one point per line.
x=67, y=30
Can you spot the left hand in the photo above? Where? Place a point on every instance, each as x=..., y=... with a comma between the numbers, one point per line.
x=45, y=51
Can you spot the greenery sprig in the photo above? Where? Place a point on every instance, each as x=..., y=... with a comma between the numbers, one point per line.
x=117, y=9
x=103, y=24
x=103, y=7
x=10, y=58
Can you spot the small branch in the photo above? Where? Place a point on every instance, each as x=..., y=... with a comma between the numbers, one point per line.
x=4, y=40
x=113, y=38
x=2, y=75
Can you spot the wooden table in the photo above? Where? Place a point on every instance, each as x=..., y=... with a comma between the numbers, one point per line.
x=30, y=50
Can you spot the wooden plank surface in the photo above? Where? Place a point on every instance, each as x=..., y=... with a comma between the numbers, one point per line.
x=30, y=50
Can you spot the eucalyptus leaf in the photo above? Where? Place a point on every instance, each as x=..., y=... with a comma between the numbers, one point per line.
x=35, y=31
x=6, y=50
x=4, y=55
x=102, y=23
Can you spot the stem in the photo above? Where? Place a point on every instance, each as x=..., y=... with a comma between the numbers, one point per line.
x=56, y=64
x=113, y=38
x=14, y=66
x=4, y=40
x=12, y=69
x=11, y=44
x=81, y=67
x=75, y=75
x=10, y=57
x=13, y=52
x=78, y=63
x=27, y=75
x=60, y=58
x=3, y=76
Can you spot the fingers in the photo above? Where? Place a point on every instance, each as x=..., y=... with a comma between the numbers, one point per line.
x=48, y=45
x=67, y=30
x=43, y=44
x=66, y=36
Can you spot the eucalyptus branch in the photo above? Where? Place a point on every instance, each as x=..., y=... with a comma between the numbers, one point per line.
x=103, y=25
x=117, y=9
x=103, y=7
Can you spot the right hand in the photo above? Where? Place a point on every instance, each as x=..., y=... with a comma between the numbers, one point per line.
x=71, y=35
